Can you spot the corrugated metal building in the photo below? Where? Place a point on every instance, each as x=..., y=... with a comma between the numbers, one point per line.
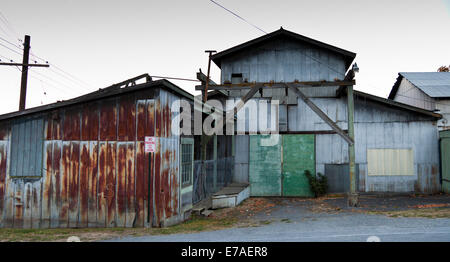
x=396, y=144
x=428, y=90
x=81, y=162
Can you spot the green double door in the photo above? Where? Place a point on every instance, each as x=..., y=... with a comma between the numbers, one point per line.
x=277, y=164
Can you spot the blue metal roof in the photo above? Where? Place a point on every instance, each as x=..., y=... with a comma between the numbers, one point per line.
x=434, y=84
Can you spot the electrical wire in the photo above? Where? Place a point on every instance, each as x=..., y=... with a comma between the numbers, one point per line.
x=5, y=40
x=8, y=25
x=12, y=50
x=238, y=16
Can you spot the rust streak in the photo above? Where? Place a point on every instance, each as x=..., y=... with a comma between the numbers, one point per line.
x=84, y=173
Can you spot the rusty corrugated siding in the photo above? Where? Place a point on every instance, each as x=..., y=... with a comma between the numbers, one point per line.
x=95, y=170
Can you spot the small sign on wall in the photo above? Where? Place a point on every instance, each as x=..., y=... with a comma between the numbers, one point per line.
x=150, y=144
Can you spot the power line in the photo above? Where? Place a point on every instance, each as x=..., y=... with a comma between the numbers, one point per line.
x=7, y=58
x=8, y=25
x=12, y=50
x=238, y=16
x=67, y=75
x=1, y=38
x=245, y=20
x=57, y=82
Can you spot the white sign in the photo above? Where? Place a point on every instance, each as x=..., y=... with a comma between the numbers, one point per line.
x=150, y=144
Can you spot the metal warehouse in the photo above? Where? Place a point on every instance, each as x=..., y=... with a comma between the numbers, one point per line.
x=81, y=162
x=392, y=147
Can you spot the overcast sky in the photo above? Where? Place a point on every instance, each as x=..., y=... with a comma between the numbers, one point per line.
x=104, y=42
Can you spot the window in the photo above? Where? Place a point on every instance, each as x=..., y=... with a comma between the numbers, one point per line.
x=390, y=162
x=187, y=158
x=27, y=147
x=236, y=78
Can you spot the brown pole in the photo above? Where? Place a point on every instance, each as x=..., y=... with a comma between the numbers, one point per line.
x=205, y=98
x=23, y=85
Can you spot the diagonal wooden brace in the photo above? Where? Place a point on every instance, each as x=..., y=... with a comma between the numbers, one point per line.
x=239, y=105
x=321, y=114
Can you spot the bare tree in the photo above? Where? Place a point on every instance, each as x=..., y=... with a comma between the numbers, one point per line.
x=444, y=69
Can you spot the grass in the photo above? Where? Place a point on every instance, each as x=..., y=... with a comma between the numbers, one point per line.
x=419, y=212
x=195, y=224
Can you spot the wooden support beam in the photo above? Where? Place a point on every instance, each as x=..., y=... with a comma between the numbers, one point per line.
x=244, y=86
x=321, y=114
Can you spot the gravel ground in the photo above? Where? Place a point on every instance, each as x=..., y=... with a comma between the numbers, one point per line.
x=305, y=220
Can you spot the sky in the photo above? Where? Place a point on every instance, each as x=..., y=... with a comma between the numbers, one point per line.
x=94, y=44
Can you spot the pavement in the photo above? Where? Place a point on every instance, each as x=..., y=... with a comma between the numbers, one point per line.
x=330, y=220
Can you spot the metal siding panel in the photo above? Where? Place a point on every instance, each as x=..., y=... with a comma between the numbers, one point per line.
x=84, y=184
x=131, y=186
x=92, y=184
x=127, y=119
x=157, y=192
x=3, y=166
x=141, y=186
x=338, y=178
x=390, y=162
x=18, y=185
x=56, y=184
x=108, y=120
x=265, y=167
x=27, y=205
x=111, y=175
x=65, y=183
x=36, y=202
x=102, y=185
x=47, y=184
x=121, y=184
x=445, y=162
x=74, y=184
x=298, y=156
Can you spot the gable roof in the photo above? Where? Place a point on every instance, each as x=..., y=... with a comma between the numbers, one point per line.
x=348, y=56
x=113, y=90
x=392, y=103
x=434, y=84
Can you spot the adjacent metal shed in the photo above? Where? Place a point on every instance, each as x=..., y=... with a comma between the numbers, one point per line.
x=81, y=162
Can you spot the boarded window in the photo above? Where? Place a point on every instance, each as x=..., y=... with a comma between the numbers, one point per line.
x=187, y=160
x=27, y=147
x=390, y=162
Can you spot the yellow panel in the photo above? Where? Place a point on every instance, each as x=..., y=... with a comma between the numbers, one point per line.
x=390, y=162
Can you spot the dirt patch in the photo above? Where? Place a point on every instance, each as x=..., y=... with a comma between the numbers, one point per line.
x=419, y=212
x=193, y=225
x=247, y=209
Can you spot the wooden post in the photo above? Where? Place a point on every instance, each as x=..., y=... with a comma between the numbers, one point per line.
x=215, y=163
x=353, y=195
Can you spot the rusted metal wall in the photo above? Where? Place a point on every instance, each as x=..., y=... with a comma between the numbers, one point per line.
x=95, y=170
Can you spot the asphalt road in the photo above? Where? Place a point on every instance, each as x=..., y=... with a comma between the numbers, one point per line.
x=297, y=224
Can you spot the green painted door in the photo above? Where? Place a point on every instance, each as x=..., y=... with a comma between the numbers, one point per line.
x=265, y=165
x=298, y=156
x=445, y=164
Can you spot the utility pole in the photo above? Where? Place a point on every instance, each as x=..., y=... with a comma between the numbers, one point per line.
x=25, y=65
x=353, y=197
x=210, y=52
x=23, y=82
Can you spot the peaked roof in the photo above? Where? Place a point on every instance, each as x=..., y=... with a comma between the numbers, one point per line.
x=434, y=84
x=348, y=56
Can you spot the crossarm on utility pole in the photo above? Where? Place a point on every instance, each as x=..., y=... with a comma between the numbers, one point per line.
x=321, y=114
